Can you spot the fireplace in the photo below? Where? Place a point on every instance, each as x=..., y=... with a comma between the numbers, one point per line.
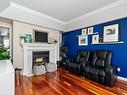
x=30, y=50
x=40, y=57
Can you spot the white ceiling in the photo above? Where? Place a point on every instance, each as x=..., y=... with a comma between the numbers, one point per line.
x=64, y=10
x=4, y=4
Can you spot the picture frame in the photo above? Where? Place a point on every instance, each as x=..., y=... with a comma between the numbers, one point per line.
x=111, y=33
x=90, y=30
x=83, y=40
x=84, y=31
x=95, y=39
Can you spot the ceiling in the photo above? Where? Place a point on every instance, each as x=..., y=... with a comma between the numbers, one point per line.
x=64, y=10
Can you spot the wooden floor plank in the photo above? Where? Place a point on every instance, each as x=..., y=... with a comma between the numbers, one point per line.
x=71, y=86
x=61, y=82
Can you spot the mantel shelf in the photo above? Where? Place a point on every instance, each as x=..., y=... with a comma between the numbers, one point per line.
x=88, y=34
x=37, y=45
x=108, y=43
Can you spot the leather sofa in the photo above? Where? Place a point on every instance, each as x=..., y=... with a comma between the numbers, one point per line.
x=100, y=68
x=75, y=66
x=94, y=65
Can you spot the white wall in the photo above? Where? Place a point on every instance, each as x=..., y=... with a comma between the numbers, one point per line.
x=111, y=12
x=20, y=28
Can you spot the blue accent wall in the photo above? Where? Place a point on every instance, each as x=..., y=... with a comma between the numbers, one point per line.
x=119, y=58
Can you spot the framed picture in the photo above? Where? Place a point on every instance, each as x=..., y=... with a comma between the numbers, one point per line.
x=111, y=33
x=95, y=39
x=90, y=30
x=83, y=40
x=84, y=31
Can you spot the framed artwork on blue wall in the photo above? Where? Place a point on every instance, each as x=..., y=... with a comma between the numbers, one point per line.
x=83, y=40
x=95, y=39
x=90, y=30
x=111, y=33
x=84, y=31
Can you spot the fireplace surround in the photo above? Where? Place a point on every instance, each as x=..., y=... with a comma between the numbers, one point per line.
x=29, y=48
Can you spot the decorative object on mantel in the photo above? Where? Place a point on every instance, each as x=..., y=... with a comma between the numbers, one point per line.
x=83, y=40
x=111, y=33
x=53, y=41
x=90, y=30
x=95, y=39
x=84, y=31
x=28, y=38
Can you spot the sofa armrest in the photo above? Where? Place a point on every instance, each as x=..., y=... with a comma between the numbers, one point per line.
x=110, y=75
x=112, y=69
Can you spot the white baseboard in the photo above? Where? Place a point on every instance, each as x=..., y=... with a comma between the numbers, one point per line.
x=122, y=78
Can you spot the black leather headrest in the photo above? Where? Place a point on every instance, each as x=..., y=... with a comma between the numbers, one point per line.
x=101, y=58
x=101, y=54
x=83, y=56
x=83, y=53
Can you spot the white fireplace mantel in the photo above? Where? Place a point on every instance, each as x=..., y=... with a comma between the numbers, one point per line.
x=38, y=45
x=27, y=58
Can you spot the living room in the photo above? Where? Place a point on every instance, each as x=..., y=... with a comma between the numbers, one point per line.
x=63, y=47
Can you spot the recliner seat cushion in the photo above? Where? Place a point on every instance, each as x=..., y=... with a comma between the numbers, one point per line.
x=101, y=75
x=100, y=63
x=94, y=73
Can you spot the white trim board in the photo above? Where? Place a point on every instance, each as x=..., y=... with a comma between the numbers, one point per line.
x=122, y=78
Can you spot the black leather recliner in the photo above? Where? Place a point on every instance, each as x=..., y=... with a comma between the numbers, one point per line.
x=75, y=66
x=100, y=68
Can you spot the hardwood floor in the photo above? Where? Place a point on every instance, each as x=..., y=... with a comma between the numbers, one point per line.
x=61, y=82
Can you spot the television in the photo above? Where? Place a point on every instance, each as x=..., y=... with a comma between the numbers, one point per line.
x=40, y=36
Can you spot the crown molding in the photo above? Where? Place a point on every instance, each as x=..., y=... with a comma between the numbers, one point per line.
x=73, y=21
x=13, y=4
x=98, y=10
